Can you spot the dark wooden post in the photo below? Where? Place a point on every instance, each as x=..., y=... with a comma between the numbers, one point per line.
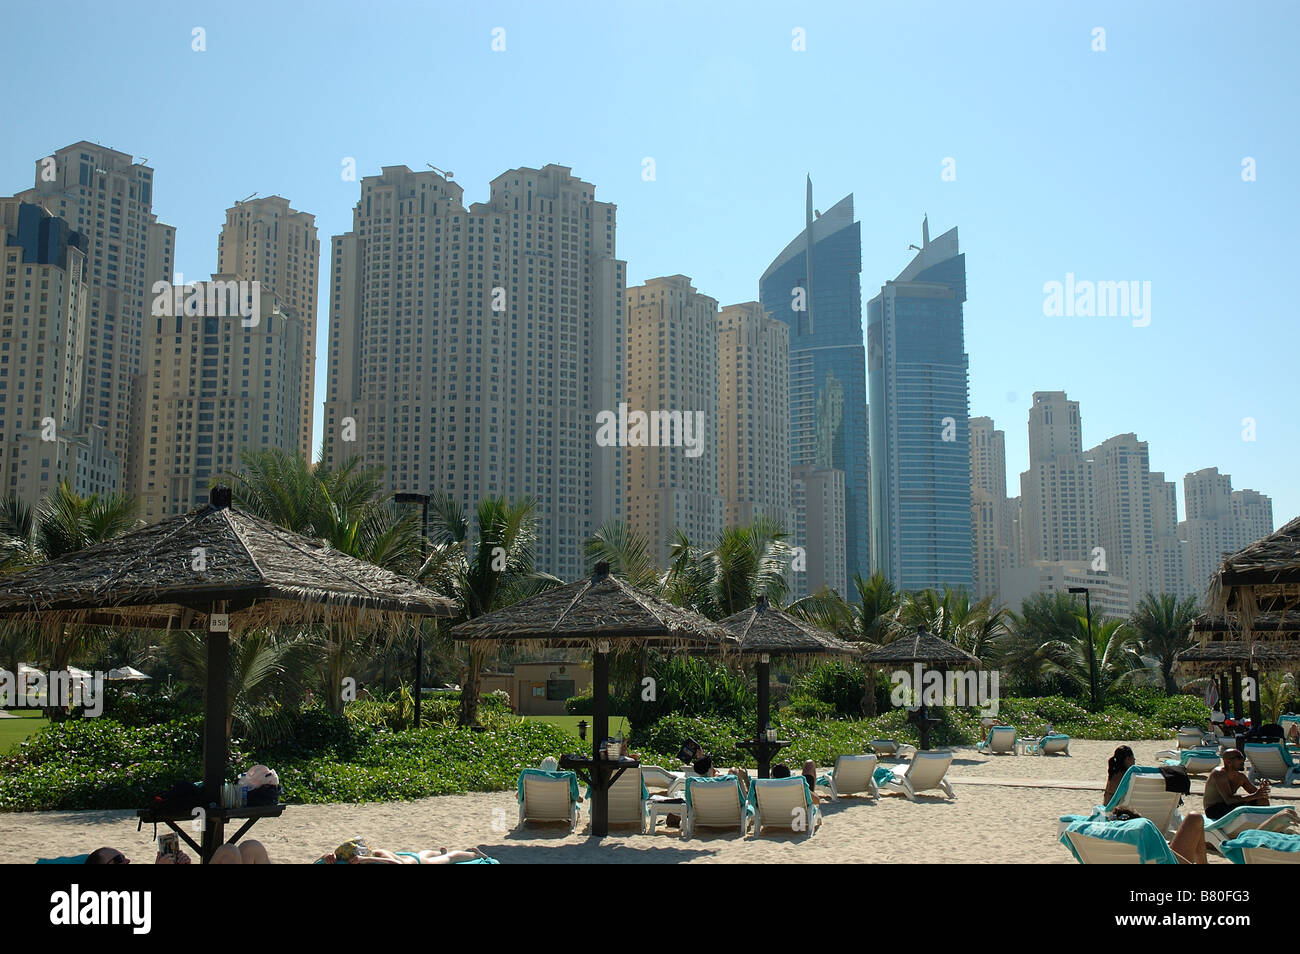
x=599, y=731
x=1256, y=710
x=1238, y=712
x=215, y=744
x=1225, y=693
x=764, y=711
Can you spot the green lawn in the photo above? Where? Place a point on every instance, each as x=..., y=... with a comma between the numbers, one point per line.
x=13, y=731
x=570, y=724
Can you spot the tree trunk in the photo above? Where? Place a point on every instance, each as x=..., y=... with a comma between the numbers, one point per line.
x=469, y=688
x=869, y=698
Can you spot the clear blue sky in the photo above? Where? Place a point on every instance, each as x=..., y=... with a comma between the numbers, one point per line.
x=1115, y=165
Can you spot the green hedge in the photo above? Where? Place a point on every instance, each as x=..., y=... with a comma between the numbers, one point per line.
x=99, y=763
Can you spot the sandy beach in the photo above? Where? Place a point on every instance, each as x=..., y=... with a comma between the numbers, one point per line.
x=1005, y=812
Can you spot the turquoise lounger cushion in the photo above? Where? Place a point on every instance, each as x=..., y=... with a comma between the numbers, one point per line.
x=555, y=776
x=1121, y=792
x=1274, y=840
x=65, y=860
x=1053, y=738
x=882, y=775
x=1141, y=833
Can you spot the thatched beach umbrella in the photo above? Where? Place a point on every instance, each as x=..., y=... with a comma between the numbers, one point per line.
x=1261, y=578
x=225, y=571
x=1226, y=651
x=922, y=650
x=596, y=614
x=765, y=631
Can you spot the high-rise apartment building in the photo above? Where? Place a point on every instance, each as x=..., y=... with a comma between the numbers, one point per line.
x=107, y=197
x=1170, y=573
x=919, y=407
x=818, y=505
x=43, y=333
x=1058, y=518
x=471, y=350
x=814, y=287
x=266, y=241
x=217, y=382
x=1220, y=521
x=1125, y=519
x=672, y=371
x=753, y=415
x=992, y=548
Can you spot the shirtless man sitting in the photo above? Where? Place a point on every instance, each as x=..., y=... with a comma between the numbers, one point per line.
x=1221, y=787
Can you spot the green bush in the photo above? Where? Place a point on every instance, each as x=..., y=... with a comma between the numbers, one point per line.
x=810, y=707
x=579, y=705
x=840, y=685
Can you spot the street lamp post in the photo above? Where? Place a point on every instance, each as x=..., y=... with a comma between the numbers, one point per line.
x=1092, y=656
x=423, y=500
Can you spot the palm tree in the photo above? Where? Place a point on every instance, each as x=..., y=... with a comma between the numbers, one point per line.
x=950, y=615
x=744, y=564
x=347, y=508
x=265, y=675
x=1116, y=658
x=1045, y=620
x=1163, y=628
x=64, y=523
x=482, y=572
x=626, y=552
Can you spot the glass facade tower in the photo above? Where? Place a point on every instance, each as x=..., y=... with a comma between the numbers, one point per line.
x=920, y=434
x=814, y=286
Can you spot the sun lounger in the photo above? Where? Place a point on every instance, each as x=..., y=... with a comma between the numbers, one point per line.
x=924, y=773
x=629, y=801
x=1051, y=745
x=1134, y=842
x=853, y=774
x=1196, y=761
x=783, y=803
x=714, y=803
x=662, y=779
x=1271, y=761
x=890, y=747
x=1246, y=818
x=1001, y=741
x=1142, y=790
x=1191, y=737
x=1262, y=848
x=548, y=797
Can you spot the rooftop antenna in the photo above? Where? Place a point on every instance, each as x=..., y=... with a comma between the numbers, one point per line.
x=446, y=175
x=925, y=231
x=246, y=198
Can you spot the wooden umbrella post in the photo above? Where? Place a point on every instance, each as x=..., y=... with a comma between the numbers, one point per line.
x=764, y=710
x=215, y=744
x=599, y=732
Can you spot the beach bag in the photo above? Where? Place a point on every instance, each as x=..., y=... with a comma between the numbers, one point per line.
x=180, y=798
x=264, y=795
x=1176, y=779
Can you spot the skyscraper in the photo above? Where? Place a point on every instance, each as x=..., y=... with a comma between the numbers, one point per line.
x=43, y=333
x=1219, y=521
x=672, y=366
x=266, y=241
x=991, y=547
x=814, y=287
x=1058, y=518
x=471, y=350
x=920, y=442
x=215, y=385
x=107, y=197
x=753, y=415
x=1125, y=518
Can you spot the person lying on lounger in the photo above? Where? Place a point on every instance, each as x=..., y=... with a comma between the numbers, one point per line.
x=357, y=852
x=247, y=853
x=704, y=766
x=1221, y=787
